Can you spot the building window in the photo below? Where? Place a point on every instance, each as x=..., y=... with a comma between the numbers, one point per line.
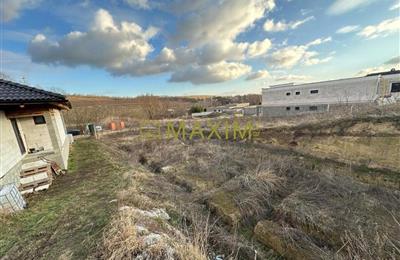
x=39, y=120
x=314, y=91
x=395, y=87
x=297, y=108
x=297, y=93
x=287, y=93
x=288, y=108
x=313, y=108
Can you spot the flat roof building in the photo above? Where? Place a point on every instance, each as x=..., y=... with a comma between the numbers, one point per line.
x=292, y=99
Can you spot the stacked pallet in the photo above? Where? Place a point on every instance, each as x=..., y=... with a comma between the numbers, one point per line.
x=35, y=176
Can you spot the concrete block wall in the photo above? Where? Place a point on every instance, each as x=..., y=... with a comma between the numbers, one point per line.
x=12, y=175
x=292, y=110
x=289, y=100
x=58, y=138
x=59, y=123
x=355, y=90
x=10, y=154
x=250, y=111
x=35, y=136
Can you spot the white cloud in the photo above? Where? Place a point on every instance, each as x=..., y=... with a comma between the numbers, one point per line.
x=344, y=6
x=305, y=11
x=261, y=74
x=10, y=9
x=258, y=48
x=209, y=74
x=393, y=61
x=381, y=68
x=319, y=41
x=271, y=26
x=85, y=3
x=143, y=4
x=382, y=29
x=182, y=6
x=123, y=49
x=214, y=52
x=106, y=45
x=223, y=20
x=348, y=29
x=290, y=56
x=19, y=66
x=311, y=59
x=395, y=6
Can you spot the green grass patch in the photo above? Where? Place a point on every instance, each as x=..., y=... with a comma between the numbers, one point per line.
x=68, y=219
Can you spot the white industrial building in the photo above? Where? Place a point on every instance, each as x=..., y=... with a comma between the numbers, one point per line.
x=291, y=99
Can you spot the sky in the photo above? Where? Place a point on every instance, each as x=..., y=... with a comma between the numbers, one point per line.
x=194, y=47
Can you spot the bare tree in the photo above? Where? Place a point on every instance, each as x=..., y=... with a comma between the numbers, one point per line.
x=153, y=106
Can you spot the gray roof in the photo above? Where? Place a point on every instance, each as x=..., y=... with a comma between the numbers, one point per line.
x=15, y=93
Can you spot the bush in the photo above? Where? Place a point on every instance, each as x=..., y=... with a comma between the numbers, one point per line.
x=196, y=109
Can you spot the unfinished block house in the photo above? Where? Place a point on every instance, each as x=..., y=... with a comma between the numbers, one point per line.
x=291, y=99
x=32, y=134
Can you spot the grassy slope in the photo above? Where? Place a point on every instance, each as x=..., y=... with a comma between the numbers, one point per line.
x=68, y=219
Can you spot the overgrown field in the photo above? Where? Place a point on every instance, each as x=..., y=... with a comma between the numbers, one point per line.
x=276, y=199
x=295, y=192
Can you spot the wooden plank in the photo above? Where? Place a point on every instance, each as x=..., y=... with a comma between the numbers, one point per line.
x=26, y=112
x=56, y=169
x=34, y=171
x=34, y=184
x=33, y=165
x=42, y=187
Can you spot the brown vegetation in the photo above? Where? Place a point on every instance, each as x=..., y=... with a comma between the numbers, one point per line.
x=301, y=206
x=101, y=110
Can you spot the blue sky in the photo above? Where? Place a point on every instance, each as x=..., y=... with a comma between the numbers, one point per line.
x=197, y=47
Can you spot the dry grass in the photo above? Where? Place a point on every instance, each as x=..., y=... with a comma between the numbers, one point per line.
x=128, y=234
x=121, y=241
x=321, y=208
x=340, y=113
x=357, y=246
x=257, y=192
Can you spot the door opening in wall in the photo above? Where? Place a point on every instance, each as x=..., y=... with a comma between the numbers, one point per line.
x=18, y=135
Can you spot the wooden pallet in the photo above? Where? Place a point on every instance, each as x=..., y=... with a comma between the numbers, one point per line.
x=35, y=184
x=43, y=173
x=34, y=168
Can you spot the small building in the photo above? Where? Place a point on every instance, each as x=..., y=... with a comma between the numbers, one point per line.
x=252, y=111
x=32, y=130
x=292, y=99
x=219, y=109
x=230, y=109
x=204, y=114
